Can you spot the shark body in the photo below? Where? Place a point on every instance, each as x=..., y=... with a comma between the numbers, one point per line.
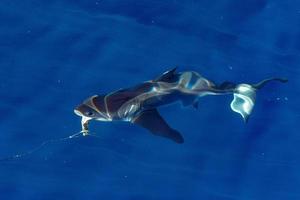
x=138, y=104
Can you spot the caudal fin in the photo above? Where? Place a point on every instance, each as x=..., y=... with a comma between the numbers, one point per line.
x=262, y=83
x=244, y=96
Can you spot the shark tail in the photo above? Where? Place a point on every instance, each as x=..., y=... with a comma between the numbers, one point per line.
x=244, y=96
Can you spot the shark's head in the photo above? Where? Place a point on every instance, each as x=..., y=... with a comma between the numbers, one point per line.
x=83, y=110
x=92, y=108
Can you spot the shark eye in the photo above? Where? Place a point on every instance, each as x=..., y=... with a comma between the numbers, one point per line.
x=89, y=113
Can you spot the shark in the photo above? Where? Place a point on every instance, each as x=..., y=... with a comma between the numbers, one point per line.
x=139, y=104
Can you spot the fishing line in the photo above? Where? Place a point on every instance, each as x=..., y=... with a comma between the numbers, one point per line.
x=43, y=144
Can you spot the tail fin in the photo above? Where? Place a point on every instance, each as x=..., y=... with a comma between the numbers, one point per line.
x=264, y=82
x=244, y=96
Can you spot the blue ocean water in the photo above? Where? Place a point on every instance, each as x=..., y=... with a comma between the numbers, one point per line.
x=54, y=54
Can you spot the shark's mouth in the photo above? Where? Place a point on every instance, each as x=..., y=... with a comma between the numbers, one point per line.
x=84, y=122
x=85, y=125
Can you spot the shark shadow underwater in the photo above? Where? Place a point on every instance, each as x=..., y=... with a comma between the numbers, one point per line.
x=138, y=104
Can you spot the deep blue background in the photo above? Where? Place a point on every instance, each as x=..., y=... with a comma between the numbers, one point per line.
x=54, y=54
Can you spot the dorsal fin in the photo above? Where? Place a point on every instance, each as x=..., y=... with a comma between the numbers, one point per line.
x=226, y=85
x=167, y=76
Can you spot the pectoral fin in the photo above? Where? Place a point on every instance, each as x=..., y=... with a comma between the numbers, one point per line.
x=151, y=120
x=196, y=104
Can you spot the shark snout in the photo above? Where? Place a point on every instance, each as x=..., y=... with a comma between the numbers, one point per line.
x=77, y=112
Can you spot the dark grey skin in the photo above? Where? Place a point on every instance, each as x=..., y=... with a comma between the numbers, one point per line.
x=139, y=104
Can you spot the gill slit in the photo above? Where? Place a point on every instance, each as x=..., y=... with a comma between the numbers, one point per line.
x=106, y=107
